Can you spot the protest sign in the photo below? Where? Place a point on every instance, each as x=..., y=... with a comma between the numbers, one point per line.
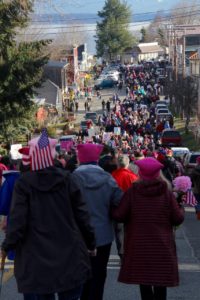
x=14, y=153
x=66, y=145
x=91, y=132
x=106, y=136
x=117, y=130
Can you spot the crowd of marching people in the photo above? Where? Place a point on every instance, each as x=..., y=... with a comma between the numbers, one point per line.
x=63, y=211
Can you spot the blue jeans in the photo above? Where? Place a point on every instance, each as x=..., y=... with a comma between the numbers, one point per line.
x=68, y=295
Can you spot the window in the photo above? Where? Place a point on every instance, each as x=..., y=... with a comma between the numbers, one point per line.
x=193, y=40
x=169, y=134
x=193, y=158
x=163, y=111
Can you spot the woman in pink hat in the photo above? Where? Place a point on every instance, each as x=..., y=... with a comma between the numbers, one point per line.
x=150, y=212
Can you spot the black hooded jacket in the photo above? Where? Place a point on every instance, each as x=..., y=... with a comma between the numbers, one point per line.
x=50, y=230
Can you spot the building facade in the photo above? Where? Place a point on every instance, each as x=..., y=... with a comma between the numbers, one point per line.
x=194, y=67
x=143, y=51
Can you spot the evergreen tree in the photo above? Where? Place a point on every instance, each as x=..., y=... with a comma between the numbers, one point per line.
x=143, y=35
x=20, y=65
x=113, y=35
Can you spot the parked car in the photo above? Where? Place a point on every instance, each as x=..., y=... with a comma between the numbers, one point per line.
x=105, y=83
x=160, y=106
x=171, y=137
x=180, y=151
x=162, y=111
x=101, y=77
x=163, y=102
x=189, y=161
x=113, y=76
x=165, y=117
x=92, y=116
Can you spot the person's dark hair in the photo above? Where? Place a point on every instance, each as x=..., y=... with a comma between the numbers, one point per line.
x=23, y=168
x=106, y=150
x=108, y=164
x=72, y=164
x=138, y=154
x=5, y=160
x=58, y=164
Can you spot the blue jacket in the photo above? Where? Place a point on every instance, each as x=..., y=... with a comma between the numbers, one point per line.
x=6, y=191
x=100, y=192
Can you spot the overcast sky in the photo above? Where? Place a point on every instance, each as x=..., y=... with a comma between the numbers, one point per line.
x=92, y=6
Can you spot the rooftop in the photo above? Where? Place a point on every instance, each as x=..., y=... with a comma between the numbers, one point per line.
x=149, y=47
x=56, y=64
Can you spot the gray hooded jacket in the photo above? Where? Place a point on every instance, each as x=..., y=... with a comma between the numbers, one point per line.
x=100, y=191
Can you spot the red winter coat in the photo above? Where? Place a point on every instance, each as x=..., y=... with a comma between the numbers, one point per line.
x=124, y=178
x=149, y=211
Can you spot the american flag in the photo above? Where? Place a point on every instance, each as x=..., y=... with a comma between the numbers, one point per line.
x=190, y=198
x=41, y=157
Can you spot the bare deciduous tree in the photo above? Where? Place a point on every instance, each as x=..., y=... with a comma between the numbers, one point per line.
x=185, y=91
x=65, y=39
x=186, y=13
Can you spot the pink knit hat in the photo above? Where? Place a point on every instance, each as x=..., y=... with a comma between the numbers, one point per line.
x=149, y=168
x=89, y=152
x=26, y=160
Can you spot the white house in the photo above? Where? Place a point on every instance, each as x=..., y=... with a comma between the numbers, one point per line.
x=143, y=51
x=148, y=51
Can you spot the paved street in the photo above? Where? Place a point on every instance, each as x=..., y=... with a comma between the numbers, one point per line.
x=96, y=103
x=188, y=247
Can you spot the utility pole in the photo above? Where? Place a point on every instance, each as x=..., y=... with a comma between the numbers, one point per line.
x=172, y=48
x=175, y=55
x=169, y=33
x=183, y=57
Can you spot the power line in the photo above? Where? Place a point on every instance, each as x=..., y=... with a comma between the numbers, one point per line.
x=136, y=14
x=130, y=24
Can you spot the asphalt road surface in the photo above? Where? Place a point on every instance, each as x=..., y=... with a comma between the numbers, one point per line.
x=188, y=248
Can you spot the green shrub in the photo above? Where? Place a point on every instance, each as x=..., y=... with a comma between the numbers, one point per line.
x=51, y=132
x=3, y=151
